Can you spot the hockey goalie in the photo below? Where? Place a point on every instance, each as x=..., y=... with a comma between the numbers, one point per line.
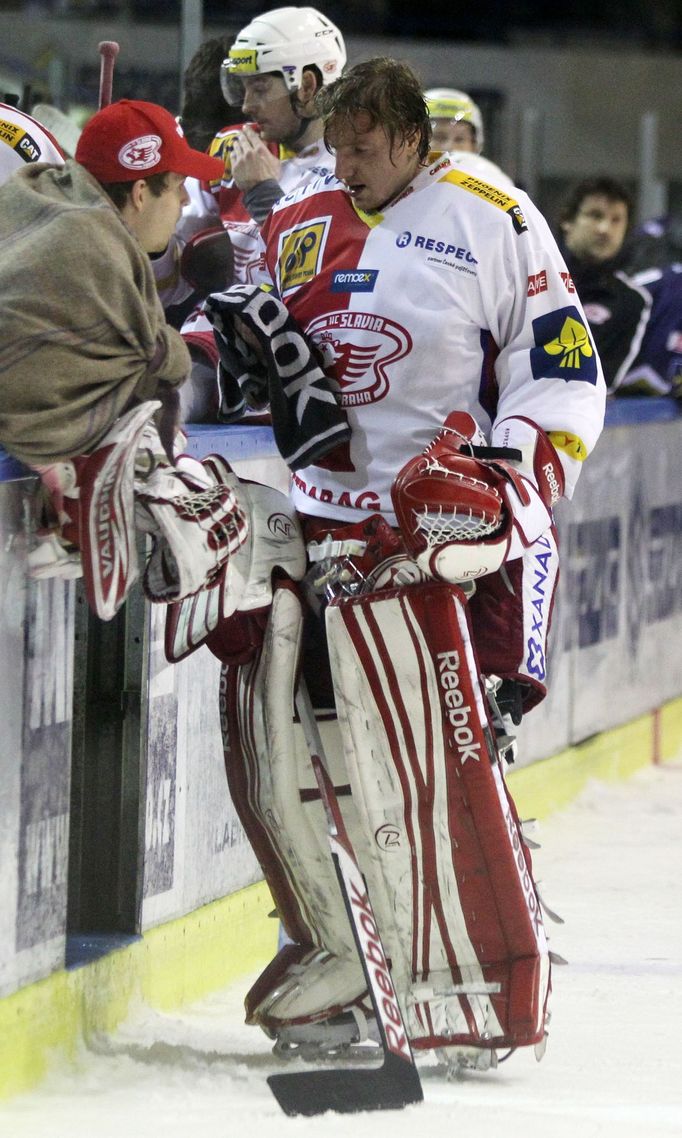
x=417, y=609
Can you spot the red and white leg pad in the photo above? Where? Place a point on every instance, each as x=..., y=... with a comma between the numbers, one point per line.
x=274, y=790
x=450, y=879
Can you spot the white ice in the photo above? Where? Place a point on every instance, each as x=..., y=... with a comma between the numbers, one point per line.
x=611, y=865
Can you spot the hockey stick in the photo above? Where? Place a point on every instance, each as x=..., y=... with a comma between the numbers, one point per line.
x=396, y=1083
x=108, y=50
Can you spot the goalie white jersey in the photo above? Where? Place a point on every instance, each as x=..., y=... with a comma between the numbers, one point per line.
x=454, y=296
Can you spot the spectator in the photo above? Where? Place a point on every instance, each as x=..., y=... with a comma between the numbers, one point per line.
x=86, y=354
x=594, y=222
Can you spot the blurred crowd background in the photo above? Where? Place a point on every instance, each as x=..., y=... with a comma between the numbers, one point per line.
x=567, y=91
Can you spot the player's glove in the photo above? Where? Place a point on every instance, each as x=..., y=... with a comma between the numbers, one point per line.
x=465, y=508
x=207, y=261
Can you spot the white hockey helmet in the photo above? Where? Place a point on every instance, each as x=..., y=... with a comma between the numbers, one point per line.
x=285, y=40
x=457, y=106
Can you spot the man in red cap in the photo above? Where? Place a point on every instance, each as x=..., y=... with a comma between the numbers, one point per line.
x=83, y=332
x=86, y=355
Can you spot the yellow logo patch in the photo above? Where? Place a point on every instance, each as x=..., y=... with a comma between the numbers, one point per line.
x=572, y=445
x=300, y=254
x=490, y=194
x=243, y=61
x=563, y=349
x=571, y=344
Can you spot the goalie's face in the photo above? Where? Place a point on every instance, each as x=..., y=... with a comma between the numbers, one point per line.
x=374, y=171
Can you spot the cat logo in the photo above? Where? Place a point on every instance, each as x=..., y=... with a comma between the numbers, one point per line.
x=300, y=254
x=563, y=347
x=20, y=140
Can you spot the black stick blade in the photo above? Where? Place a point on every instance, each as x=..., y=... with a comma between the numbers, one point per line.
x=392, y=1086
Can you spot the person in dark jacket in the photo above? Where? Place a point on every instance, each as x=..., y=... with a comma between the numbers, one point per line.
x=594, y=223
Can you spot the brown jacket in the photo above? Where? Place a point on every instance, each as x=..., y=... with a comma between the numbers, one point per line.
x=82, y=331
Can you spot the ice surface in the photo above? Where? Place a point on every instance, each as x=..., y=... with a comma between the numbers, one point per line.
x=610, y=864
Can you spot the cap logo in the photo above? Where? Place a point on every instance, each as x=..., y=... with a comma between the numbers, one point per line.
x=141, y=153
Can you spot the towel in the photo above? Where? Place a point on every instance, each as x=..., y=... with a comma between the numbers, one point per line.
x=265, y=358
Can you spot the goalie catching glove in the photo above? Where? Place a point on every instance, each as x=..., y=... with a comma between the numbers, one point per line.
x=195, y=523
x=207, y=261
x=465, y=508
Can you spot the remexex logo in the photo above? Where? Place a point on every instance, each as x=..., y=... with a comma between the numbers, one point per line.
x=354, y=280
x=432, y=245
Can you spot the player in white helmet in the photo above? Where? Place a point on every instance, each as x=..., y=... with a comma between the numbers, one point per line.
x=275, y=68
x=456, y=120
x=457, y=127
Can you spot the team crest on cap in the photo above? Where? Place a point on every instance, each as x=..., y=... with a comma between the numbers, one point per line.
x=141, y=153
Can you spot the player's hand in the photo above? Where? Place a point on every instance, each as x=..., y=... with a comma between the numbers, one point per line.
x=252, y=162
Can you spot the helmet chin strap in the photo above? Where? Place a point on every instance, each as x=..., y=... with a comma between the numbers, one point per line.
x=303, y=121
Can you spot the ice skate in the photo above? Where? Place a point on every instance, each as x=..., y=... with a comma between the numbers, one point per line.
x=351, y=1035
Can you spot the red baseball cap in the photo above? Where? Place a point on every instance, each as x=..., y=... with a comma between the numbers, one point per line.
x=131, y=139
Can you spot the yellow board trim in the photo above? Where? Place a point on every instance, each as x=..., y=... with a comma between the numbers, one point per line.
x=212, y=947
x=171, y=965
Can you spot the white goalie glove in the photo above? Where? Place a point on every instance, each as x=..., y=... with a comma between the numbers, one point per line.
x=127, y=486
x=195, y=522
x=465, y=508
